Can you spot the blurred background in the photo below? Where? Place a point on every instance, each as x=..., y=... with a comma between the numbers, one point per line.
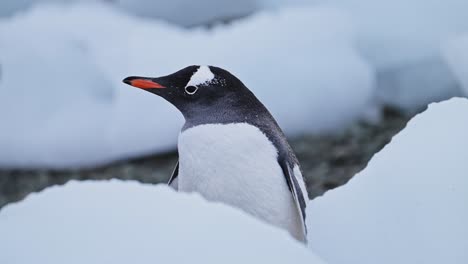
x=341, y=77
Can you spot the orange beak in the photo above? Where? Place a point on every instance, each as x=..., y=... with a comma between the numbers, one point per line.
x=142, y=83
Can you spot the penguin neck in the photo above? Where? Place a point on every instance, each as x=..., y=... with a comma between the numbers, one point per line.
x=247, y=109
x=250, y=111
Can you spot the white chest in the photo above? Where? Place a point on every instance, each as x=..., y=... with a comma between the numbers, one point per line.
x=236, y=164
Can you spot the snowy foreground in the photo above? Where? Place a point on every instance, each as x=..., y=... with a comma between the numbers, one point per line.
x=408, y=206
x=62, y=102
x=128, y=222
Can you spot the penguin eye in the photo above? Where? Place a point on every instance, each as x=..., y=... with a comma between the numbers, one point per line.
x=191, y=89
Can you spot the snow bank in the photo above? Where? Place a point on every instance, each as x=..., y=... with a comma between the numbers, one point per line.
x=410, y=205
x=394, y=33
x=127, y=222
x=456, y=55
x=402, y=40
x=62, y=102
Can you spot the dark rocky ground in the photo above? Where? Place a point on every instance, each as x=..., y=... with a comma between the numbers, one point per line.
x=328, y=161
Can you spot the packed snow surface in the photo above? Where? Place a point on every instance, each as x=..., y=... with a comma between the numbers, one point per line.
x=410, y=205
x=62, y=102
x=127, y=222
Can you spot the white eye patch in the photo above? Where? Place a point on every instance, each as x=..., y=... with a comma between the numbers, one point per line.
x=202, y=76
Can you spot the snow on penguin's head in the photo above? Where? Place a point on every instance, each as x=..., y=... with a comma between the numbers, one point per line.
x=202, y=76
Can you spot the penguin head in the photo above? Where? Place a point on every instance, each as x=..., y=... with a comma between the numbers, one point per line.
x=197, y=90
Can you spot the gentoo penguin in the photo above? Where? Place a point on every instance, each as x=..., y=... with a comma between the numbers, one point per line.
x=231, y=149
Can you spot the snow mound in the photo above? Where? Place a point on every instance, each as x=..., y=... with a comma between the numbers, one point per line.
x=398, y=32
x=410, y=205
x=128, y=222
x=456, y=55
x=402, y=40
x=62, y=102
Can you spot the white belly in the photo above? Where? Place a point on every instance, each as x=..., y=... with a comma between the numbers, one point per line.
x=236, y=164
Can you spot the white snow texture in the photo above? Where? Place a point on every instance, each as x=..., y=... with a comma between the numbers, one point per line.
x=128, y=222
x=410, y=205
x=403, y=40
